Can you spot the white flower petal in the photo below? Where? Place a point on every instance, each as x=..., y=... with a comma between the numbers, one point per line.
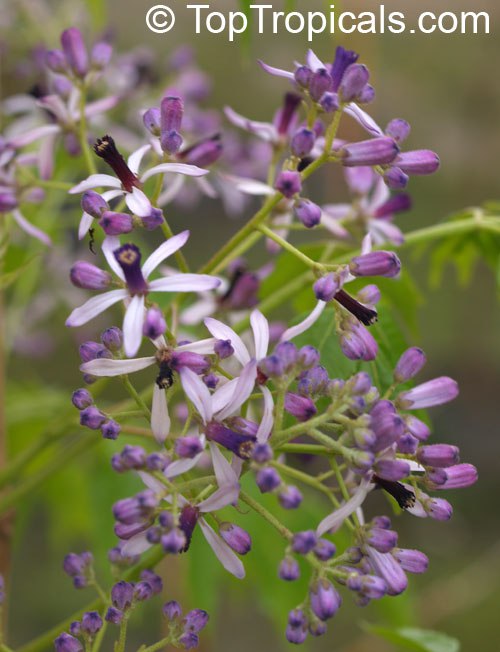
x=29, y=137
x=96, y=181
x=366, y=121
x=84, y=226
x=267, y=420
x=94, y=307
x=112, y=194
x=222, y=332
x=163, y=252
x=224, y=472
x=304, y=325
x=178, y=168
x=196, y=313
x=206, y=187
x=243, y=389
x=110, y=244
x=160, y=418
x=264, y=130
x=28, y=228
x=335, y=520
x=172, y=190
x=197, y=392
x=277, y=72
x=46, y=157
x=249, y=186
x=132, y=326
x=203, y=347
x=314, y=62
x=135, y=159
x=185, y=283
x=223, y=394
x=179, y=467
x=219, y=499
x=366, y=245
x=260, y=327
x=110, y=368
x=136, y=545
x=138, y=203
x=101, y=106
x=152, y=483
x=222, y=551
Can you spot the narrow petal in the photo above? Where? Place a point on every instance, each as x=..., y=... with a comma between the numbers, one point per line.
x=29, y=137
x=264, y=130
x=243, y=389
x=203, y=347
x=335, y=520
x=84, y=226
x=132, y=326
x=94, y=307
x=223, y=394
x=46, y=157
x=101, y=106
x=224, y=472
x=179, y=467
x=250, y=186
x=366, y=121
x=185, y=283
x=110, y=368
x=260, y=327
x=152, y=483
x=306, y=324
x=314, y=62
x=277, y=72
x=138, y=203
x=223, y=332
x=28, y=228
x=219, y=499
x=135, y=159
x=267, y=420
x=172, y=190
x=196, y=313
x=163, y=252
x=160, y=419
x=178, y=168
x=96, y=181
x=222, y=551
x=197, y=392
x=136, y=545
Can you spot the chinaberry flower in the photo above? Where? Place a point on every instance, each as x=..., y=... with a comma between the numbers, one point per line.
x=125, y=261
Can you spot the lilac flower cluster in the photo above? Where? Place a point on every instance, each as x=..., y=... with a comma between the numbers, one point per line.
x=228, y=392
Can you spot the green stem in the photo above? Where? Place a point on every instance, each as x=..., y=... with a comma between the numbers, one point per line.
x=157, y=646
x=262, y=511
x=179, y=256
x=135, y=395
x=82, y=134
x=284, y=244
x=122, y=638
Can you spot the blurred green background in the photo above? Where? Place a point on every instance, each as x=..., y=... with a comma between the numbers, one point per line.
x=448, y=88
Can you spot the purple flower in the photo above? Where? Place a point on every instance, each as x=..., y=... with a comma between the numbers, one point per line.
x=289, y=184
x=122, y=595
x=304, y=542
x=308, y=213
x=91, y=623
x=75, y=51
x=377, y=151
x=236, y=538
x=434, y=392
x=67, y=643
x=301, y=407
x=289, y=570
x=377, y=263
x=409, y=365
x=172, y=610
x=325, y=600
x=290, y=497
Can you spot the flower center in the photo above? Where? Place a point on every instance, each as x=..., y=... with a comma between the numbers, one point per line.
x=129, y=259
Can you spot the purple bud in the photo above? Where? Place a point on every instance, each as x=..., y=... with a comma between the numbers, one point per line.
x=395, y=178
x=392, y=470
x=223, y=349
x=172, y=110
x=301, y=407
x=92, y=351
x=82, y=399
x=75, y=629
x=303, y=76
x=67, y=643
x=204, y=153
x=411, y=561
x=377, y=151
x=211, y=381
x=313, y=382
x=290, y=497
x=101, y=55
x=396, y=204
x=459, y=477
x=308, y=213
x=296, y=635
x=188, y=447
x=262, y=453
x=418, y=162
x=122, y=595
x=409, y=365
x=268, y=480
x=417, y=428
x=154, y=581
x=114, y=616
x=130, y=511
x=367, y=95
x=75, y=51
x=195, y=621
x=56, y=61
x=157, y=462
x=407, y=444
x=93, y=204
x=398, y=129
x=297, y=618
x=143, y=591
x=152, y=121
x=288, y=354
x=8, y=202
x=369, y=295
x=289, y=183
x=91, y=623
x=189, y=641
x=133, y=457
x=376, y=263
x=174, y=541
x=330, y=102
x=317, y=629
x=194, y=361
x=438, y=455
x=358, y=344
x=154, y=324
x=343, y=59
x=166, y=520
x=89, y=277
x=153, y=220
x=303, y=142
x=116, y=223
x=112, y=338
x=172, y=610
x=110, y=430
x=382, y=539
x=289, y=570
x=308, y=357
x=92, y=418
x=353, y=82
x=319, y=84
x=236, y=538
x=324, y=550
x=304, y=542
x=434, y=392
x=326, y=288
x=325, y=600
x=271, y=367
x=439, y=509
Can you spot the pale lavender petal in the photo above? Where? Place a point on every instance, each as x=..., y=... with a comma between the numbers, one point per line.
x=178, y=168
x=136, y=545
x=224, y=472
x=388, y=568
x=101, y=106
x=250, y=186
x=203, y=347
x=96, y=181
x=172, y=190
x=223, y=394
x=338, y=211
x=366, y=121
x=94, y=307
x=110, y=244
x=383, y=231
x=85, y=224
x=28, y=228
x=219, y=499
x=46, y=157
x=196, y=313
x=314, y=62
x=179, y=467
x=267, y=420
x=222, y=551
x=163, y=252
x=243, y=389
x=366, y=245
x=263, y=130
x=112, y=194
x=110, y=368
x=31, y=136
x=206, y=187
x=335, y=520
x=260, y=327
x=132, y=326
x=138, y=203
x=380, y=194
x=306, y=324
x=152, y=483
x=223, y=332
x=135, y=159
x=277, y=72
x=55, y=105
x=197, y=392
x=185, y=283
x=160, y=419
x=331, y=224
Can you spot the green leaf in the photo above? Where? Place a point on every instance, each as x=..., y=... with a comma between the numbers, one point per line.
x=6, y=280
x=418, y=640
